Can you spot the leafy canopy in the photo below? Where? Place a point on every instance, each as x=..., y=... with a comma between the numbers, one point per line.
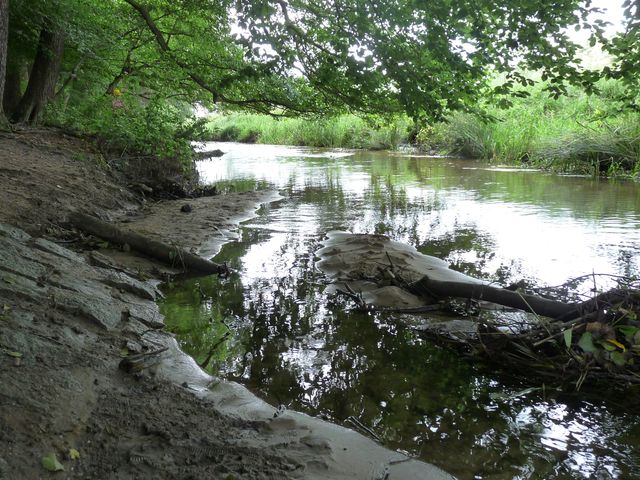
x=418, y=56
x=291, y=57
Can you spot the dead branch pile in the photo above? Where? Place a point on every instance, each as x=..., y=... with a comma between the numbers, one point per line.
x=603, y=343
x=595, y=339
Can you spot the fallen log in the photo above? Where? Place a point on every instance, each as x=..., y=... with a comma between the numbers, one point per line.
x=169, y=254
x=523, y=301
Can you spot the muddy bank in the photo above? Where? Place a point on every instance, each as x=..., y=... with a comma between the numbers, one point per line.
x=87, y=372
x=203, y=224
x=66, y=327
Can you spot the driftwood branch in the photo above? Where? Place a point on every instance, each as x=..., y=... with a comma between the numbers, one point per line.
x=529, y=303
x=169, y=254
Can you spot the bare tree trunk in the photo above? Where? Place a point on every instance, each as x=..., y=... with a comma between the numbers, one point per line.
x=4, y=38
x=12, y=92
x=529, y=303
x=43, y=77
x=169, y=254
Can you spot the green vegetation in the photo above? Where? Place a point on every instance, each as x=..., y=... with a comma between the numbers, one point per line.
x=344, y=131
x=577, y=132
x=154, y=139
x=127, y=73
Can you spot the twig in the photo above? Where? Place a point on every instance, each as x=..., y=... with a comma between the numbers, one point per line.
x=421, y=309
x=215, y=346
x=356, y=297
x=389, y=258
x=555, y=335
x=358, y=424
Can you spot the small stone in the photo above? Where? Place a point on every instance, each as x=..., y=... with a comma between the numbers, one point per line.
x=186, y=208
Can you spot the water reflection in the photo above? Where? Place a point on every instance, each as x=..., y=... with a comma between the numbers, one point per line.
x=297, y=347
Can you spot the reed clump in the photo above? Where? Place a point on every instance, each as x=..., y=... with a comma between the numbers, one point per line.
x=577, y=133
x=343, y=131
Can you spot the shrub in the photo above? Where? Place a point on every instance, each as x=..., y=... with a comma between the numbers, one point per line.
x=155, y=136
x=576, y=133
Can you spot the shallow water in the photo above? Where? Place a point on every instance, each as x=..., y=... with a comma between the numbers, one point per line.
x=295, y=346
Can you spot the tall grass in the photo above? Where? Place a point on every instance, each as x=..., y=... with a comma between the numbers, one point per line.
x=576, y=133
x=344, y=131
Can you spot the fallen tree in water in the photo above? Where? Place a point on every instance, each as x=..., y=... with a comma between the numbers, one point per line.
x=564, y=341
x=515, y=299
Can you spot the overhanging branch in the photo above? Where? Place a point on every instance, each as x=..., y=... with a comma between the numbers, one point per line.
x=198, y=79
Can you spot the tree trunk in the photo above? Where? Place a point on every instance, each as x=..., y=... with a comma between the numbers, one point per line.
x=43, y=77
x=4, y=38
x=171, y=255
x=528, y=303
x=12, y=92
x=124, y=71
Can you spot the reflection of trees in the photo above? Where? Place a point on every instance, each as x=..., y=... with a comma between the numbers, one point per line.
x=455, y=247
x=197, y=309
x=384, y=196
x=627, y=261
x=583, y=198
x=193, y=311
x=298, y=349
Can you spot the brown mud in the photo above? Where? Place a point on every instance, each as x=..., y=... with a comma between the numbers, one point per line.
x=87, y=372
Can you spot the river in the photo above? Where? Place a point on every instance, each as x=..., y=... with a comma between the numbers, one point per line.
x=293, y=345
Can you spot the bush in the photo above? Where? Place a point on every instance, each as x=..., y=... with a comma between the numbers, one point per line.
x=155, y=137
x=608, y=150
x=576, y=133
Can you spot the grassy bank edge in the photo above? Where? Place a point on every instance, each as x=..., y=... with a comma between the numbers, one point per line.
x=577, y=133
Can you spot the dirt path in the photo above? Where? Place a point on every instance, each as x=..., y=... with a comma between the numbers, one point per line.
x=86, y=371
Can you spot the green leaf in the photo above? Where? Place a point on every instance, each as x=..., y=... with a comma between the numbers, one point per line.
x=628, y=331
x=51, y=463
x=618, y=358
x=586, y=343
x=615, y=343
x=568, y=337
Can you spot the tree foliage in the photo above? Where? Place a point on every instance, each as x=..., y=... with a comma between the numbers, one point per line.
x=420, y=57
x=299, y=57
x=625, y=49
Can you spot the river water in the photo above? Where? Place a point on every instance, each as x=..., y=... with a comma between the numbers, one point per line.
x=271, y=327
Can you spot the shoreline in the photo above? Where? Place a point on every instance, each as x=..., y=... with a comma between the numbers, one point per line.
x=87, y=368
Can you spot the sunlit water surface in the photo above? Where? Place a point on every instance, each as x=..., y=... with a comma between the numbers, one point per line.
x=296, y=346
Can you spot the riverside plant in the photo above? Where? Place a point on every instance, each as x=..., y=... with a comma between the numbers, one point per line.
x=577, y=133
x=343, y=131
